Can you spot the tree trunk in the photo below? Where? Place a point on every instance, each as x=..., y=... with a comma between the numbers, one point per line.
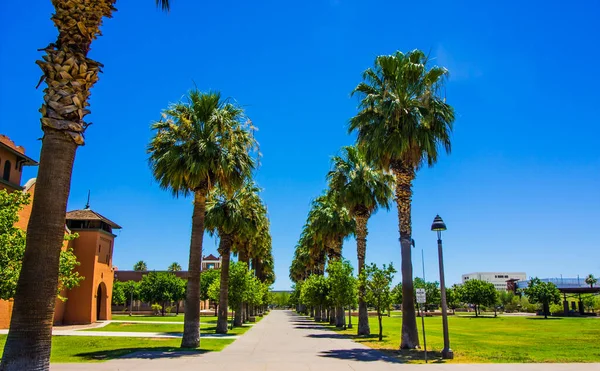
x=216, y=310
x=380, y=326
x=340, y=318
x=361, y=250
x=404, y=177
x=29, y=339
x=331, y=313
x=237, y=319
x=69, y=75
x=191, y=319
x=225, y=251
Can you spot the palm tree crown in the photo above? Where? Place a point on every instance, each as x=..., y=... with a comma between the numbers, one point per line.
x=361, y=187
x=202, y=143
x=402, y=116
x=330, y=222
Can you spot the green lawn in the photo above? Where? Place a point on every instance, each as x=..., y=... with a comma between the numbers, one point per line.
x=496, y=340
x=167, y=318
x=166, y=328
x=97, y=349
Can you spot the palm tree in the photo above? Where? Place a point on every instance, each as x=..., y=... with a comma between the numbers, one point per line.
x=174, y=267
x=402, y=120
x=362, y=189
x=69, y=75
x=140, y=266
x=199, y=144
x=591, y=280
x=331, y=223
x=226, y=215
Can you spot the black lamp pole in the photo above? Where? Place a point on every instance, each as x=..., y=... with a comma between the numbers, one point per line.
x=439, y=226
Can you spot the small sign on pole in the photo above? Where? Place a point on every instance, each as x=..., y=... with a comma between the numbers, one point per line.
x=421, y=299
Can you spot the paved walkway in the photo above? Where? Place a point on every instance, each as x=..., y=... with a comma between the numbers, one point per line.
x=283, y=341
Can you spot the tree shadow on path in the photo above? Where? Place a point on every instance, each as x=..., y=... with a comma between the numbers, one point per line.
x=373, y=355
x=140, y=353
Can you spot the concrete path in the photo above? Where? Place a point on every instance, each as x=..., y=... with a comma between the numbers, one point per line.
x=287, y=342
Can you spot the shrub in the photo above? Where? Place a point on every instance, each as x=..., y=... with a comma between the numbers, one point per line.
x=156, y=309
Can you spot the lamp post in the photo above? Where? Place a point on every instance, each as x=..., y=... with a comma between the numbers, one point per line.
x=439, y=226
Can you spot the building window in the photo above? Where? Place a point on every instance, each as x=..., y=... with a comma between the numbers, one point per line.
x=6, y=174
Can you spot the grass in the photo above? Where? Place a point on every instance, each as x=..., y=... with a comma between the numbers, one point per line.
x=167, y=318
x=98, y=349
x=493, y=340
x=163, y=328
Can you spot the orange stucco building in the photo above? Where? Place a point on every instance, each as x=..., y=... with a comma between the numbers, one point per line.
x=91, y=300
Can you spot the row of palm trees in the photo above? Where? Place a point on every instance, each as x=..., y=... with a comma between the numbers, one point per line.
x=69, y=75
x=204, y=146
x=402, y=123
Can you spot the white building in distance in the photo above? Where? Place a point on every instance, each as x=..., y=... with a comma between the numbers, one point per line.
x=497, y=278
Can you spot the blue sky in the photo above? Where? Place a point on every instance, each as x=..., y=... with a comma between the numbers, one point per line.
x=520, y=191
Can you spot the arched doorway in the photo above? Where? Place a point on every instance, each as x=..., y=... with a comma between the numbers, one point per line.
x=101, y=302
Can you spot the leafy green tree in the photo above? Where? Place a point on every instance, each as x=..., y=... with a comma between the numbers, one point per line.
x=591, y=280
x=315, y=292
x=343, y=287
x=118, y=293
x=282, y=299
x=131, y=290
x=12, y=249
x=453, y=297
x=378, y=289
x=505, y=299
x=432, y=293
x=402, y=121
x=397, y=294
x=174, y=267
x=201, y=143
x=239, y=285
x=478, y=293
x=362, y=189
x=140, y=266
x=207, y=278
x=544, y=293
x=69, y=75
x=161, y=288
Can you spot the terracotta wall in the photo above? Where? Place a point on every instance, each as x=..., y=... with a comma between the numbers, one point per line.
x=5, y=313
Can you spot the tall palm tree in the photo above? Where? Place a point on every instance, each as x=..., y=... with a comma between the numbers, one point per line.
x=362, y=189
x=402, y=120
x=332, y=223
x=140, y=266
x=200, y=143
x=69, y=75
x=174, y=267
x=226, y=215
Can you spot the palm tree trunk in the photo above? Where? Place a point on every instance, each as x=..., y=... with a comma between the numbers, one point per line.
x=237, y=319
x=361, y=251
x=404, y=177
x=69, y=75
x=225, y=251
x=191, y=319
x=29, y=339
x=340, y=317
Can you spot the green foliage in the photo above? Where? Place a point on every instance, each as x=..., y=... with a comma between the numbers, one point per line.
x=397, y=294
x=377, y=284
x=343, y=285
x=544, y=293
x=206, y=280
x=174, y=267
x=239, y=284
x=360, y=186
x=118, y=293
x=432, y=293
x=12, y=249
x=591, y=280
x=156, y=309
x=140, y=266
x=315, y=291
x=161, y=287
x=478, y=293
x=454, y=297
x=282, y=299
x=203, y=141
x=214, y=290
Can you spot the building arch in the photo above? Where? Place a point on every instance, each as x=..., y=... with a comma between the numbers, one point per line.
x=101, y=304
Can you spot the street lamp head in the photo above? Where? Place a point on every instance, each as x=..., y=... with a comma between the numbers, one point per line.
x=438, y=224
